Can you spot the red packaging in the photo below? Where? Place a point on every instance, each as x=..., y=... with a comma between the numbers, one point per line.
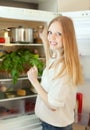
x=79, y=98
x=2, y=40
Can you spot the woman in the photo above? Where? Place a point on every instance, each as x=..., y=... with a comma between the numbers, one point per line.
x=56, y=99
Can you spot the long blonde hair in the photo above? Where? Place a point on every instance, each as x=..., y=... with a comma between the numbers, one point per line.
x=71, y=56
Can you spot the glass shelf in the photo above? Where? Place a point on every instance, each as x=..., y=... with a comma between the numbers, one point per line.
x=20, y=44
x=16, y=115
x=18, y=98
x=10, y=79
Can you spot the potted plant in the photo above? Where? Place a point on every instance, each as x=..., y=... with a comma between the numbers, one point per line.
x=15, y=63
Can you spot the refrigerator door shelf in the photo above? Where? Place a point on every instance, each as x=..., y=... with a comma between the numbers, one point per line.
x=26, y=122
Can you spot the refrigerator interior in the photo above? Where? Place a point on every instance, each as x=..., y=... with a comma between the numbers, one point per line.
x=17, y=113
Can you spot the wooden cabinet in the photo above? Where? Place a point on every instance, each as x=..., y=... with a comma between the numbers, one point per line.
x=73, y=5
x=78, y=127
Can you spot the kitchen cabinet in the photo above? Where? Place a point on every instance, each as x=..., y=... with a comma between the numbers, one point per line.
x=78, y=127
x=73, y=5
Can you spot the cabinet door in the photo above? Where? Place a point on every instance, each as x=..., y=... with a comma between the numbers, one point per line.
x=78, y=127
x=73, y=5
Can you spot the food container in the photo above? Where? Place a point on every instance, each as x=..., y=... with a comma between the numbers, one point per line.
x=2, y=53
x=21, y=34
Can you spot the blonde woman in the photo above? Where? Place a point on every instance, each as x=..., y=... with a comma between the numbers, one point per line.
x=56, y=98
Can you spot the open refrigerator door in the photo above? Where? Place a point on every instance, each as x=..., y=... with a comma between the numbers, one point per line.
x=81, y=20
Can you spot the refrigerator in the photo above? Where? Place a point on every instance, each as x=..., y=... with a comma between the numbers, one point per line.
x=10, y=16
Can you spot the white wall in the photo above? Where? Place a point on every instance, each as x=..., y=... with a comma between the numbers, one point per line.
x=73, y=5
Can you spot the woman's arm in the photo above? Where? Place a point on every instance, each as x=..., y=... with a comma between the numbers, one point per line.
x=32, y=76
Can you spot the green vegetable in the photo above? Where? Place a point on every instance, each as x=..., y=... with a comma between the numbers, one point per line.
x=16, y=62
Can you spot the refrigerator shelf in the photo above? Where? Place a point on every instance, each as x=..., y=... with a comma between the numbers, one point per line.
x=24, y=122
x=15, y=115
x=10, y=79
x=18, y=44
x=17, y=98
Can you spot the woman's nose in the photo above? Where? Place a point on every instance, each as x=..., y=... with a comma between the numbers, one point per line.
x=53, y=36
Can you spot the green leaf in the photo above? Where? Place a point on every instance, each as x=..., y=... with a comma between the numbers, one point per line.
x=14, y=62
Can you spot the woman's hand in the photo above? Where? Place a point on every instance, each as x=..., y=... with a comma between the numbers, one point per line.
x=43, y=34
x=33, y=74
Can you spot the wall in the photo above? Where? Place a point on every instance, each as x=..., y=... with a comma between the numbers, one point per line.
x=73, y=5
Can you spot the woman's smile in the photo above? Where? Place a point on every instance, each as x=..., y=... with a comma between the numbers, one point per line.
x=53, y=43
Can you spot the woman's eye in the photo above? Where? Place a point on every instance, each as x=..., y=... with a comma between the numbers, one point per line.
x=59, y=34
x=49, y=32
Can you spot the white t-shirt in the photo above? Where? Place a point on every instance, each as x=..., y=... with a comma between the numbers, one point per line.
x=61, y=95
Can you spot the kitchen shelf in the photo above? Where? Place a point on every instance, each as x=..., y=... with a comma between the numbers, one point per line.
x=18, y=98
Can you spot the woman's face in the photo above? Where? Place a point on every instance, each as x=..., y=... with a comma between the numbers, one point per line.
x=55, y=36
